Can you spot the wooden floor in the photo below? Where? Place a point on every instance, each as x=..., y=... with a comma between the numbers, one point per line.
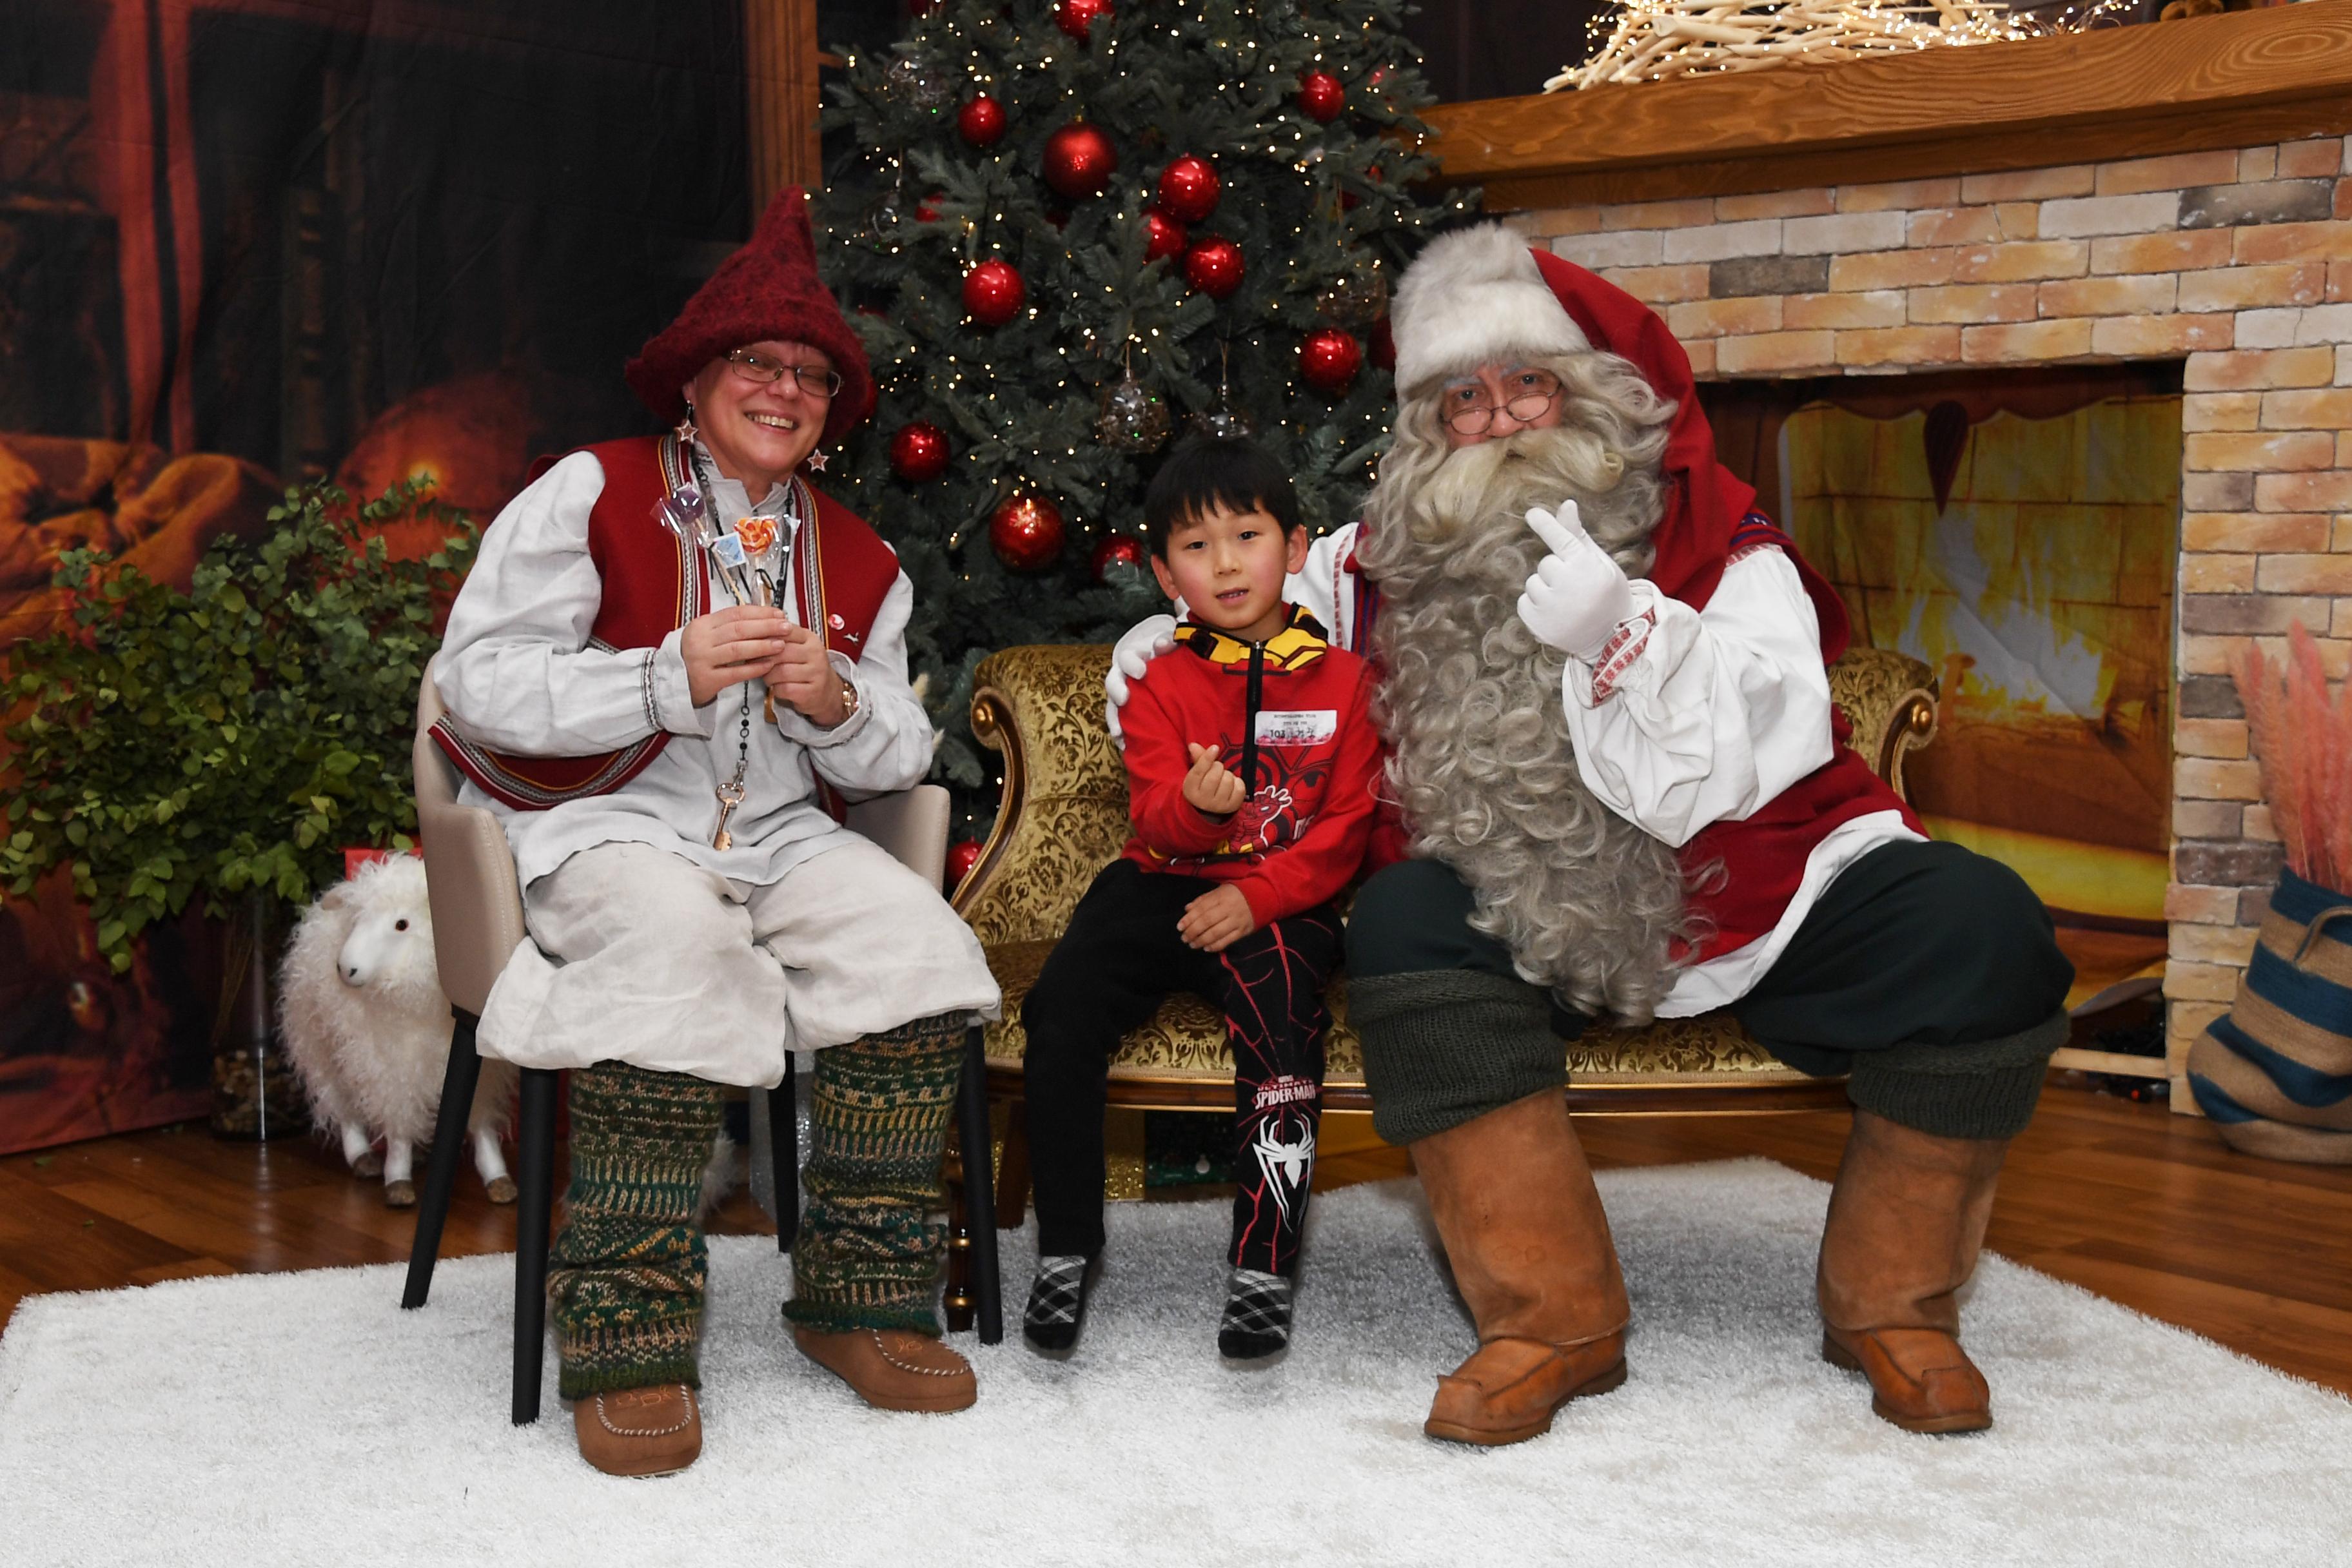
x=2142, y=1207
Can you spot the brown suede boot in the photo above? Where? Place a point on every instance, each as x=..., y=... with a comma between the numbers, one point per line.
x=638, y=1432
x=1907, y=1221
x=1515, y=1204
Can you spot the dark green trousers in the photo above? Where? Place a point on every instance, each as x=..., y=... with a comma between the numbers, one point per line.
x=1927, y=974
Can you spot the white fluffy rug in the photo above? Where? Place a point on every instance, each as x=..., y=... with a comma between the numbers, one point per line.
x=304, y=1419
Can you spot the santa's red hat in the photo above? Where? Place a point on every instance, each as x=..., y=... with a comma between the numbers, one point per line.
x=769, y=289
x=1481, y=296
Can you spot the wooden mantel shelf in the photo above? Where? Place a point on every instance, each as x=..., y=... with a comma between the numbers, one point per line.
x=2235, y=79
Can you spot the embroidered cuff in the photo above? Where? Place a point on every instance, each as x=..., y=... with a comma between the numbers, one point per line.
x=1620, y=654
x=670, y=696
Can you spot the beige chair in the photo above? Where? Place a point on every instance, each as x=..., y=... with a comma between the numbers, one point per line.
x=1064, y=816
x=478, y=923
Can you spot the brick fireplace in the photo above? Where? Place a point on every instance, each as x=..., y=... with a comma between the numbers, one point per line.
x=2235, y=262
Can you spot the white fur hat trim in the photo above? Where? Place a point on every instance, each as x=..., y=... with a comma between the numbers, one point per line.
x=1471, y=298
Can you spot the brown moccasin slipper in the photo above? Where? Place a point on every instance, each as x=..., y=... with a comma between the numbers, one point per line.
x=655, y=1431
x=892, y=1369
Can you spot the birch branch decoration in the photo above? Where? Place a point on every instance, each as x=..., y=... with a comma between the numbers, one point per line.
x=1655, y=40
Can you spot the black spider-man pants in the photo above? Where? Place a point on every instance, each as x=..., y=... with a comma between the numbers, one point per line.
x=1118, y=961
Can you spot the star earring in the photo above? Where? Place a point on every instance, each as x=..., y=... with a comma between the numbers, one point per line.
x=686, y=431
x=817, y=460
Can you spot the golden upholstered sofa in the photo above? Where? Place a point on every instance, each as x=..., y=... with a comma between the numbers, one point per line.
x=1064, y=817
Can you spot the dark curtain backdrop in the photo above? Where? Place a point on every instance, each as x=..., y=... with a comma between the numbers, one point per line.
x=247, y=242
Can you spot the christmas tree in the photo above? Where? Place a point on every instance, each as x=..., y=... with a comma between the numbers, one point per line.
x=1068, y=234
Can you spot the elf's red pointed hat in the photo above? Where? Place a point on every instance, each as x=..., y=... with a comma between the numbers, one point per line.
x=770, y=289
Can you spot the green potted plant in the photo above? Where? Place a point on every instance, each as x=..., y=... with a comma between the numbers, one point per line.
x=224, y=743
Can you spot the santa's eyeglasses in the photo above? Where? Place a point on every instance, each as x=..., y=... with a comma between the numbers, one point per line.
x=1527, y=394
x=815, y=380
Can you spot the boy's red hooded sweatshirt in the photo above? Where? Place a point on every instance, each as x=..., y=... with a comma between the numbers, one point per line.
x=1292, y=716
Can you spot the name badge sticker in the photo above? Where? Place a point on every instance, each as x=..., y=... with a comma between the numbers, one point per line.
x=1297, y=726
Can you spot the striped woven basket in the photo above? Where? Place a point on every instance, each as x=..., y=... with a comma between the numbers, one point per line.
x=2275, y=1073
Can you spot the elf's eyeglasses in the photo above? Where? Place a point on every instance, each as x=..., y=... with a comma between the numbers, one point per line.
x=1527, y=394
x=815, y=380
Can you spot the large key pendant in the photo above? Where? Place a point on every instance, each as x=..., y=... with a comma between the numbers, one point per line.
x=731, y=796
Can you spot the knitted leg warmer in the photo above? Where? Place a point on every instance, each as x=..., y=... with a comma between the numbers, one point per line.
x=1443, y=1046
x=874, y=1234
x=1984, y=1090
x=626, y=1274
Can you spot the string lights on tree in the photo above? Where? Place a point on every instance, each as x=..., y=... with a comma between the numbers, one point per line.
x=1135, y=219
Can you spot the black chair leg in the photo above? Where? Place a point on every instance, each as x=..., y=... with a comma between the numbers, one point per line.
x=979, y=1189
x=458, y=1081
x=784, y=1156
x=534, y=1203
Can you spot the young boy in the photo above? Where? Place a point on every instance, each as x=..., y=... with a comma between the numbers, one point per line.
x=1250, y=770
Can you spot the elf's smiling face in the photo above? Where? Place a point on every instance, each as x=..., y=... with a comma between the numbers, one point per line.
x=758, y=411
x=1228, y=566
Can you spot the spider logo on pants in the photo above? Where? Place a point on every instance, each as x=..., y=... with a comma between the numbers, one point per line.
x=1284, y=1160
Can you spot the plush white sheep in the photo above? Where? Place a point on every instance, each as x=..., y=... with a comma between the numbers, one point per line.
x=365, y=1019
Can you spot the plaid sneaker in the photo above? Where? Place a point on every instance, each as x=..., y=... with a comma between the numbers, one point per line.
x=1058, y=1302
x=1258, y=1315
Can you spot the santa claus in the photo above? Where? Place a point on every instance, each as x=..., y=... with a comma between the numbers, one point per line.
x=1622, y=790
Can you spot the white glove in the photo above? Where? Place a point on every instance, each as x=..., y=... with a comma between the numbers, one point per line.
x=1137, y=648
x=1578, y=596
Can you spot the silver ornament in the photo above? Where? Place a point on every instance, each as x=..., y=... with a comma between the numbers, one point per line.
x=1356, y=297
x=886, y=220
x=1132, y=417
x=1228, y=421
x=912, y=81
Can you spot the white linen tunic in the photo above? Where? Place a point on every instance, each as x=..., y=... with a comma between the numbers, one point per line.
x=1695, y=717
x=519, y=674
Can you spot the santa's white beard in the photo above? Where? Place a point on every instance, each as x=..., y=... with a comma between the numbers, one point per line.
x=1482, y=763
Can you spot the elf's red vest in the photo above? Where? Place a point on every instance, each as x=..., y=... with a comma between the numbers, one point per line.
x=652, y=584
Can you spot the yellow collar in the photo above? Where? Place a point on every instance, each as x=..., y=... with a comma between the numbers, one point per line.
x=1296, y=646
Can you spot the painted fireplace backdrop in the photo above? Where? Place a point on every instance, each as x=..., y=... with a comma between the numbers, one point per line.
x=248, y=242
x=2018, y=534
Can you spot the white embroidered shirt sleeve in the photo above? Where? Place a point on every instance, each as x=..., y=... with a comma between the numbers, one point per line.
x=516, y=668
x=1690, y=717
x=1316, y=586
x=887, y=743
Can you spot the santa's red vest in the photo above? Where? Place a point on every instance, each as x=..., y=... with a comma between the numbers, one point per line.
x=654, y=583
x=1744, y=871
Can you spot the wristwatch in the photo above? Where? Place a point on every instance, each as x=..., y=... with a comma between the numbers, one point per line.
x=848, y=699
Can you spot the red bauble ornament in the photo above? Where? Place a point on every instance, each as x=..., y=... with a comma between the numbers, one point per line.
x=962, y=855
x=1118, y=550
x=1189, y=188
x=993, y=293
x=1320, y=96
x=1383, y=345
x=1162, y=234
x=1079, y=160
x=1078, y=17
x=918, y=452
x=1025, y=531
x=1213, y=266
x=981, y=121
x=1329, y=359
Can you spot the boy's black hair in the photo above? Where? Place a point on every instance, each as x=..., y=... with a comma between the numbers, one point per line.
x=1208, y=473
